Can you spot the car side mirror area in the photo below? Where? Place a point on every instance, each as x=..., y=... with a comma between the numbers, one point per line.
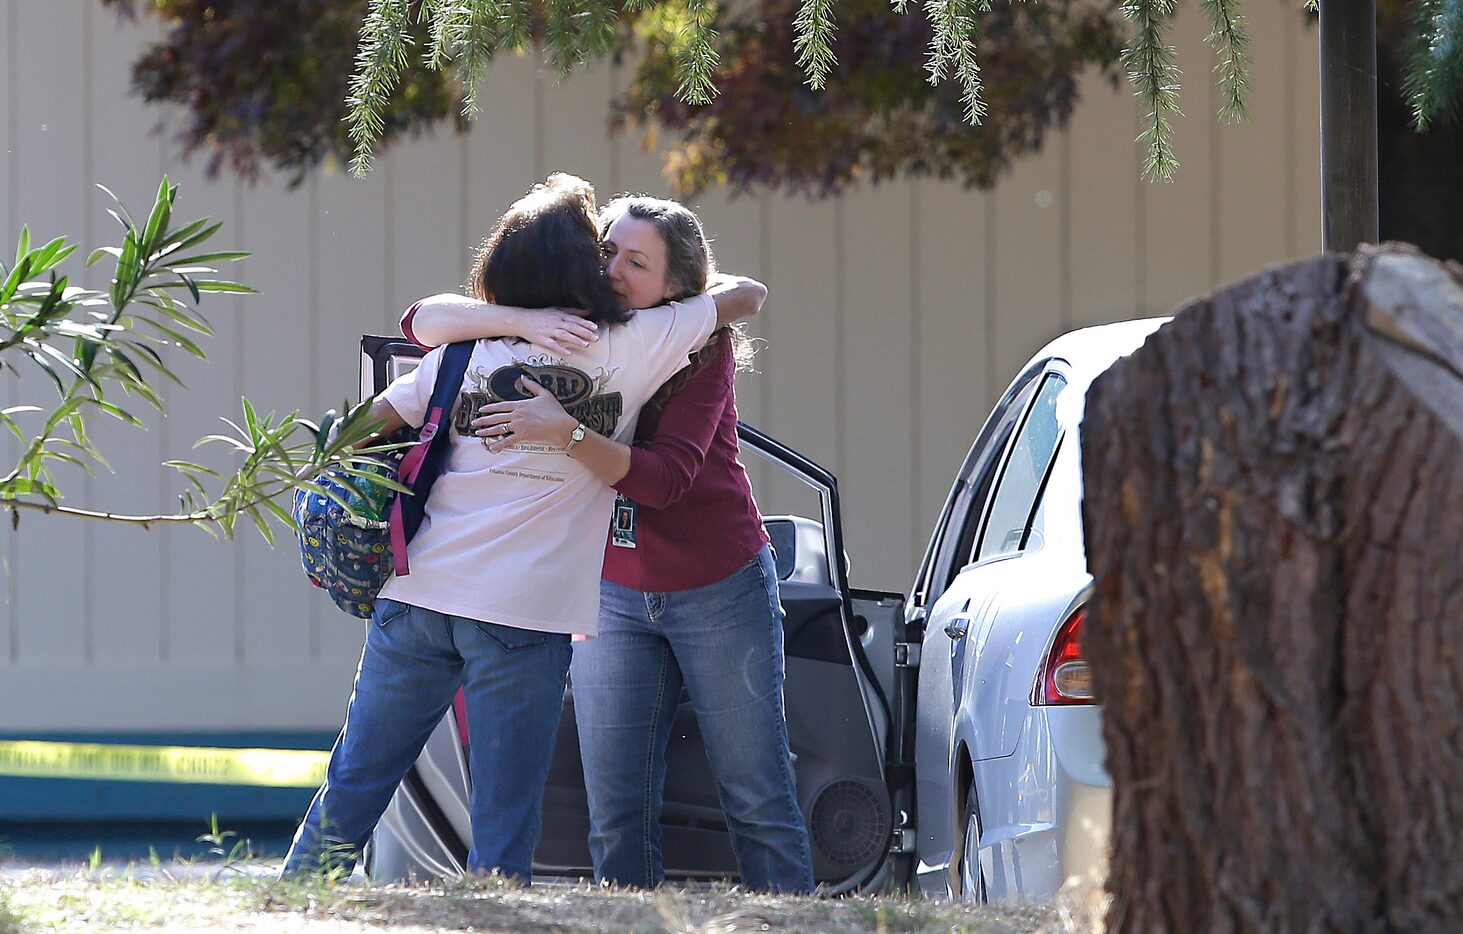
x=798, y=551
x=784, y=546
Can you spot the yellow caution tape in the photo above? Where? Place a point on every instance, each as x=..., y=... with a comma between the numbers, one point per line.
x=273, y=768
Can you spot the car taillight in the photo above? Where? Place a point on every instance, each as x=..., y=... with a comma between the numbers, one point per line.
x=1066, y=678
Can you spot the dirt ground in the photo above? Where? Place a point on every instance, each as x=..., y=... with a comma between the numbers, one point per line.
x=154, y=899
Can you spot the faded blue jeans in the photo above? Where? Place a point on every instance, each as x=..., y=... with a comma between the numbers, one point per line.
x=724, y=643
x=412, y=665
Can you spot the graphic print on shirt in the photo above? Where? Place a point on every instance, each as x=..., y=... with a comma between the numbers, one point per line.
x=582, y=396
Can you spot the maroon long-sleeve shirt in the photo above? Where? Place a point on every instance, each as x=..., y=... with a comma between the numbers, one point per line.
x=696, y=521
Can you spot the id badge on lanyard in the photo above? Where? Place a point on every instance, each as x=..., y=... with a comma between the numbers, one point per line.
x=622, y=528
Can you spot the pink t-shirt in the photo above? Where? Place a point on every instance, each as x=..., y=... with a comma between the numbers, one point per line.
x=517, y=538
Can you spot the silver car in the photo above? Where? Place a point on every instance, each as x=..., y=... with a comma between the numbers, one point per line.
x=1011, y=795
x=947, y=741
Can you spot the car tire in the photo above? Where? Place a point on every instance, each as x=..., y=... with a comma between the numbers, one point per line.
x=972, y=879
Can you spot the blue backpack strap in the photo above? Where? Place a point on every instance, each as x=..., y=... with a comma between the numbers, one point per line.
x=435, y=439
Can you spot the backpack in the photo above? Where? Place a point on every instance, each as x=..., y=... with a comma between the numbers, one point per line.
x=351, y=557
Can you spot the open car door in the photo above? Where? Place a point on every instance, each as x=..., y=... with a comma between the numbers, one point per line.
x=849, y=715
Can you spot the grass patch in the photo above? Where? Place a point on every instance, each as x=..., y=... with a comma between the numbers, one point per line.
x=493, y=904
x=102, y=900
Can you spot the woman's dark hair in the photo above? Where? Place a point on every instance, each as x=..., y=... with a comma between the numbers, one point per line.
x=544, y=252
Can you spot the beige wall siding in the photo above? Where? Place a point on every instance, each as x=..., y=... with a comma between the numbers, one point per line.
x=897, y=315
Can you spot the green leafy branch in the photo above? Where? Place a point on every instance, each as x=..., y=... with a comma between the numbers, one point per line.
x=95, y=346
x=278, y=455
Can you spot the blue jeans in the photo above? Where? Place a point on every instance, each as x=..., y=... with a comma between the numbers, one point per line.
x=724, y=643
x=413, y=663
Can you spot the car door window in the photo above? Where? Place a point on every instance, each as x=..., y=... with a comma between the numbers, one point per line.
x=977, y=477
x=1004, y=528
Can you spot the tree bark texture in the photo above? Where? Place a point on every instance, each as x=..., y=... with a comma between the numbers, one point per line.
x=1274, y=515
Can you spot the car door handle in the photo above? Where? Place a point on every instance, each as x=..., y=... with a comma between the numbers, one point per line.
x=957, y=627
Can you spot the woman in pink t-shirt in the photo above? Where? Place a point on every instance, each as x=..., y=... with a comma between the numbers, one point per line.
x=689, y=592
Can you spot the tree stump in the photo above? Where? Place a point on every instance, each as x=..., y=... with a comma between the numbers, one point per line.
x=1274, y=515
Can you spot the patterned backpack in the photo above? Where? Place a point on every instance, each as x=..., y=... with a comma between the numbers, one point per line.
x=351, y=557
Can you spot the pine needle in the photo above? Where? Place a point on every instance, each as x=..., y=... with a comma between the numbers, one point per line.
x=1434, y=80
x=380, y=60
x=952, y=50
x=697, y=58
x=1153, y=69
x=813, y=41
x=1230, y=40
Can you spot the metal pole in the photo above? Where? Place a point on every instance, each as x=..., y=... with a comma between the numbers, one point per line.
x=1348, y=124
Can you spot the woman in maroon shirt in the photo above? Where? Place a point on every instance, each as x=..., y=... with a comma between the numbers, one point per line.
x=689, y=593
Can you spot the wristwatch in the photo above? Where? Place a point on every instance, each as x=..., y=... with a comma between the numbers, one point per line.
x=575, y=436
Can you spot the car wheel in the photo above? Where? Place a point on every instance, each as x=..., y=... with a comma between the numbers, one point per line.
x=972, y=880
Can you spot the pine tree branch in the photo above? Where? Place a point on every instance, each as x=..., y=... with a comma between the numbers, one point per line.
x=698, y=59
x=380, y=61
x=1434, y=81
x=1153, y=69
x=952, y=50
x=813, y=31
x=1230, y=40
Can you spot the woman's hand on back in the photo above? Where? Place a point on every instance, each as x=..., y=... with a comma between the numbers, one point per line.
x=561, y=332
x=737, y=297
x=537, y=420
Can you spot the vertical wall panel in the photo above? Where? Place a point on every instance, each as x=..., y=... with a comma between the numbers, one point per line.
x=734, y=225
x=949, y=402
x=575, y=135
x=1028, y=264
x=616, y=76
x=200, y=581
x=637, y=161
x=798, y=367
x=8, y=98
x=874, y=341
x=49, y=142
x=501, y=160
x=636, y=152
x=639, y=167
x=275, y=377
x=350, y=232
x=1102, y=196
x=123, y=560
x=1254, y=158
x=741, y=248
x=9, y=446
x=1178, y=250
x=349, y=295
x=735, y=228
x=1303, y=52
x=425, y=245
